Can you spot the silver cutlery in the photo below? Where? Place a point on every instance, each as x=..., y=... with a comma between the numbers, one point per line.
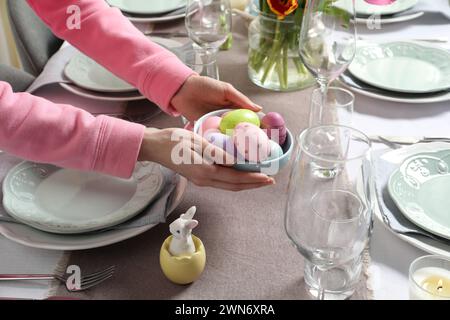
x=403, y=140
x=167, y=34
x=86, y=282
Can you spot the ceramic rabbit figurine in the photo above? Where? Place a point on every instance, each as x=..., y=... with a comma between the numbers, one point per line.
x=181, y=230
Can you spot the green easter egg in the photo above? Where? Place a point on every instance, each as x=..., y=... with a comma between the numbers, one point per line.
x=233, y=118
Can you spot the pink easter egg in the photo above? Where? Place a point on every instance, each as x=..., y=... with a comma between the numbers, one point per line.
x=251, y=142
x=211, y=123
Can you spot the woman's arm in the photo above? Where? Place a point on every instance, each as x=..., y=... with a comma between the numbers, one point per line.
x=39, y=130
x=109, y=38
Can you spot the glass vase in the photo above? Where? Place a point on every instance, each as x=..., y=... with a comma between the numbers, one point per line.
x=274, y=60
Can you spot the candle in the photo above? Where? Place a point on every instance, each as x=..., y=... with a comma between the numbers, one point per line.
x=430, y=278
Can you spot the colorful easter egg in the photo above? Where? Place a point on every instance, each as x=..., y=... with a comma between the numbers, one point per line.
x=222, y=141
x=210, y=123
x=251, y=142
x=233, y=118
x=275, y=127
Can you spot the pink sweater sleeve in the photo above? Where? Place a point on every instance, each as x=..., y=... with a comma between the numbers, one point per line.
x=106, y=36
x=36, y=129
x=39, y=130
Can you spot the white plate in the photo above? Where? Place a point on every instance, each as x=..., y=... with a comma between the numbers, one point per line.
x=402, y=67
x=129, y=96
x=442, y=97
x=423, y=243
x=31, y=237
x=155, y=19
x=373, y=21
x=88, y=74
x=148, y=6
x=110, y=96
x=364, y=8
x=69, y=201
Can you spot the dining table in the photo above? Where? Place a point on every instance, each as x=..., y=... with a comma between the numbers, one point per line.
x=248, y=253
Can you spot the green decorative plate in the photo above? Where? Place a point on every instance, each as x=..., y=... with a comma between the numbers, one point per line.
x=403, y=67
x=148, y=6
x=88, y=74
x=421, y=190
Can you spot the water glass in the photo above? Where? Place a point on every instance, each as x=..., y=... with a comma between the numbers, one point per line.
x=201, y=61
x=336, y=108
x=329, y=220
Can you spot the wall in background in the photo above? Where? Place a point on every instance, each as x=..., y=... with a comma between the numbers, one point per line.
x=8, y=51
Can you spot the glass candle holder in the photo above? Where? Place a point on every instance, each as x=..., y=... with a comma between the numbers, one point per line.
x=429, y=278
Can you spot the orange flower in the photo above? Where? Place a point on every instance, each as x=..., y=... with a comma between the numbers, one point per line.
x=282, y=7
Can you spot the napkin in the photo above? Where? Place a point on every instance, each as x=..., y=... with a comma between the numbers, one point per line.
x=54, y=69
x=383, y=170
x=156, y=212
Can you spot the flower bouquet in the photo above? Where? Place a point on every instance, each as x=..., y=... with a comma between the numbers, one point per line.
x=274, y=61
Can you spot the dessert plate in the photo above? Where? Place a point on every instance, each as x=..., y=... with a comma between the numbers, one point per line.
x=146, y=6
x=88, y=74
x=68, y=201
x=420, y=189
x=403, y=67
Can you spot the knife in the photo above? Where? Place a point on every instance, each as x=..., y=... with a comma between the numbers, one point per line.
x=403, y=140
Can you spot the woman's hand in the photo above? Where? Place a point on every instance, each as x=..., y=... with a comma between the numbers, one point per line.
x=200, y=95
x=163, y=146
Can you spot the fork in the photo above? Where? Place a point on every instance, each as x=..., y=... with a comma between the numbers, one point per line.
x=86, y=282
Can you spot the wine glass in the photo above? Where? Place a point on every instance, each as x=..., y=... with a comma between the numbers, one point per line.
x=329, y=221
x=208, y=23
x=328, y=39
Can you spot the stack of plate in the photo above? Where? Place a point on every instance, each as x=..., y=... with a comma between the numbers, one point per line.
x=413, y=188
x=409, y=72
x=91, y=80
x=54, y=208
x=372, y=15
x=145, y=11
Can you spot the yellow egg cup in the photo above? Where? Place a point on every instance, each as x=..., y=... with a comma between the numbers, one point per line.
x=183, y=269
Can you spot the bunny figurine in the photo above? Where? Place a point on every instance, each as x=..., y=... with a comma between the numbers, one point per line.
x=183, y=256
x=181, y=230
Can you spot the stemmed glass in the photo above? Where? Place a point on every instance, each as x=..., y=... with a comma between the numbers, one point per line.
x=208, y=23
x=328, y=39
x=329, y=220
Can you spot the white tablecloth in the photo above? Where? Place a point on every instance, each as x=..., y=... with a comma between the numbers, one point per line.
x=390, y=256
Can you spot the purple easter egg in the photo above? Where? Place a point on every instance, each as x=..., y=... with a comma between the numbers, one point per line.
x=222, y=141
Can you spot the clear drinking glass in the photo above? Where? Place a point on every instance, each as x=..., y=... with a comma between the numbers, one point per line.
x=329, y=220
x=208, y=23
x=201, y=61
x=336, y=109
x=328, y=39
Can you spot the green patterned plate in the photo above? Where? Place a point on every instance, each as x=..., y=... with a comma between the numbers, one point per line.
x=421, y=190
x=403, y=67
x=148, y=6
